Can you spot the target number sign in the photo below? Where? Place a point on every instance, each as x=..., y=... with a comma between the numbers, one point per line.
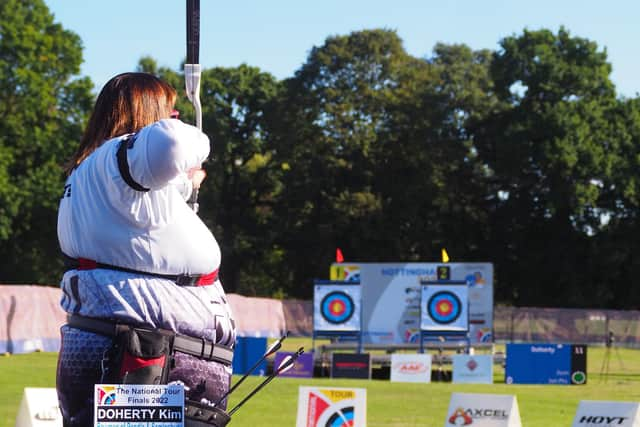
x=444, y=307
x=337, y=307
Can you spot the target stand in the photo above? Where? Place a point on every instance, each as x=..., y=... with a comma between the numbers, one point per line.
x=337, y=311
x=444, y=311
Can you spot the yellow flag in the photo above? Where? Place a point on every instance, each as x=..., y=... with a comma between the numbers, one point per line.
x=445, y=255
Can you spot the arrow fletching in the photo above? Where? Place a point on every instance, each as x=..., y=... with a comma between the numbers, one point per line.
x=276, y=345
x=288, y=362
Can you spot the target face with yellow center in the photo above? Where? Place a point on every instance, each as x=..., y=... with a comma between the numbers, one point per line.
x=444, y=307
x=337, y=307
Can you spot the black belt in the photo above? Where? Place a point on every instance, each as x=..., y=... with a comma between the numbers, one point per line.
x=198, y=347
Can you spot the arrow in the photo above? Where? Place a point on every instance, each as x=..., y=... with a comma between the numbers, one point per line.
x=274, y=347
x=284, y=366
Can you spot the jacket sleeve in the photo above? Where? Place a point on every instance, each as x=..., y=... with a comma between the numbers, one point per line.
x=164, y=150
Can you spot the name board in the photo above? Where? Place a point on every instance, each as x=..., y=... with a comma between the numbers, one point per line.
x=411, y=368
x=483, y=410
x=546, y=364
x=140, y=405
x=476, y=369
x=351, y=365
x=335, y=406
x=593, y=413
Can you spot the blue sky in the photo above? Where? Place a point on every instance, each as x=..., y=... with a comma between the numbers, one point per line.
x=277, y=35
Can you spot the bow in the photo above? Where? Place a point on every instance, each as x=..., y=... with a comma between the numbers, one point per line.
x=192, y=71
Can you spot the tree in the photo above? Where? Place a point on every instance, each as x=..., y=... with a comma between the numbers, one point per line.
x=548, y=147
x=615, y=263
x=380, y=162
x=244, y=177
x=436, y=197
x=43, y=107
x=331, y=120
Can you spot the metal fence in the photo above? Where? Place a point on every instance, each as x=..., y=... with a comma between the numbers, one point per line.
x=590, y=326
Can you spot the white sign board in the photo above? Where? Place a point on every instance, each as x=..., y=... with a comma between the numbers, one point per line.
x=39, y=408
x=592, y=413
x=483, y=410
x=476, y=369
x=411, y=368
x=391, y=294
x=138, y=405
x=332, y=406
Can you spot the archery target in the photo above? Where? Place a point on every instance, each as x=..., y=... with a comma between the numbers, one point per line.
x=337, y=307
x=444, y=307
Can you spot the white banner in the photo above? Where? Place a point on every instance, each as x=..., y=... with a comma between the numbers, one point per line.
x=391, y=295
x=476, y=369
x=592, y=413
x=334, y=406
x=411, y=368
x=337, y=307
x=483, y=410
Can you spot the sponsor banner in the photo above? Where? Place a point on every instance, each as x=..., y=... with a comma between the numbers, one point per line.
x=444, y=307
x=303, y=368
x=138, y=405
x=336, y=307
x=546, y=364
x=39, y=407
x=351, y=365
x=411, y=368
x=477, y=369
x=483, y=410
x=334, y=407
x=391, y=297
x=592, y=413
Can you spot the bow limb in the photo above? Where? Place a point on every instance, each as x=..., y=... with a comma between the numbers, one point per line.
x=192, y=70
x=193, y=73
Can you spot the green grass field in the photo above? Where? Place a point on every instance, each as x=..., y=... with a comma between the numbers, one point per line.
x=388, y=404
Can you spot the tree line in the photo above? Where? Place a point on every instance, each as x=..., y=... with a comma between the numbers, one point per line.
x=524, y=156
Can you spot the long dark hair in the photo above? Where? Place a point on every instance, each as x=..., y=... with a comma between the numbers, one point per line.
x=126, y=104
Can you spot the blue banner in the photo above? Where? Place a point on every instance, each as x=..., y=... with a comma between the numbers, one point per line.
x=546, y=364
